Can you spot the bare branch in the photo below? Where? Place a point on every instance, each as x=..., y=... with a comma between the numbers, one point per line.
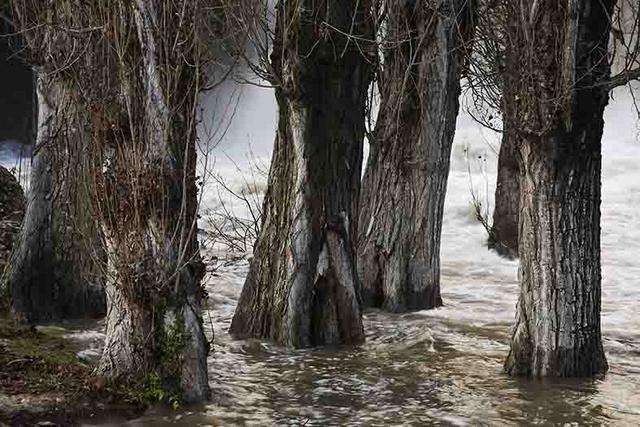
x=623, y=78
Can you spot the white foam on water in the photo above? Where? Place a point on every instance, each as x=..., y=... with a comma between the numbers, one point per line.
x=459, y=348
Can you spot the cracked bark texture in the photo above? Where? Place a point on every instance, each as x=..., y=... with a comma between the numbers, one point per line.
x=559, y=76
x=154, y=320
x=301, y=289
x=405, y=180
x=53, y=272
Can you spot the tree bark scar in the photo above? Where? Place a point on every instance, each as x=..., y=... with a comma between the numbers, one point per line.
x=297, y=291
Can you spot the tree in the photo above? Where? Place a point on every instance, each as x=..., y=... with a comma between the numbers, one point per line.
x=490, y=97
x=129, y=74
x=503, y=236
x=154, y=321
x=53, y=272
x=405, y=181
x=488, y=90
x=558, y=66
x=301, y=289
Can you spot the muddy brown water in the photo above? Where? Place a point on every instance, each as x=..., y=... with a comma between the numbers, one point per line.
x=442, y=366
x=433, y=367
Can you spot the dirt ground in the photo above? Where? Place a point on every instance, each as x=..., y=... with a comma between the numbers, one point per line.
x=42, y=380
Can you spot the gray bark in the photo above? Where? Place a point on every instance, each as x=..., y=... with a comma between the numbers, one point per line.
x=137, y=336
x=503, y=236
x=53, y=271
x=557, y=331
x=301, y=289
x=405, y=181
x=154, y=322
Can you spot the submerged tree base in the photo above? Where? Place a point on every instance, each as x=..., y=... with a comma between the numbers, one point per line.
x=302, y=288
x=405, y=181
x=588, y=361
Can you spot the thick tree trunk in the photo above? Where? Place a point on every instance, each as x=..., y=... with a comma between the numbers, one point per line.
x=404, y=186
x=557, y=330
x=143, y=337
x=128, y=97
x=154, y=323
x=302, y=287
x=503, y=237
x=53, y=271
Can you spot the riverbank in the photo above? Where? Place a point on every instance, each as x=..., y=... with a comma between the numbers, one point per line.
x=42, y=379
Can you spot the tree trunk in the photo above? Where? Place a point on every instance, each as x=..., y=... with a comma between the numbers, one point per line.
x=154, y=324
x=503, y=236
x=301, y=289
x=557, y=330
x=405, y=181
x=53, y=271
x=129, y=96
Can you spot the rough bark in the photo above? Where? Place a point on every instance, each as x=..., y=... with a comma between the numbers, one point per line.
x=154, y=322
x=123, y=79
x=301, y=289
x=559, y=75
x=503, y=236
x=405, y=181
x=53, y=271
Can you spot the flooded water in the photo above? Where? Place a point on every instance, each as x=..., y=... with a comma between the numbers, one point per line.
x=442, y=366
x=433, y=367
